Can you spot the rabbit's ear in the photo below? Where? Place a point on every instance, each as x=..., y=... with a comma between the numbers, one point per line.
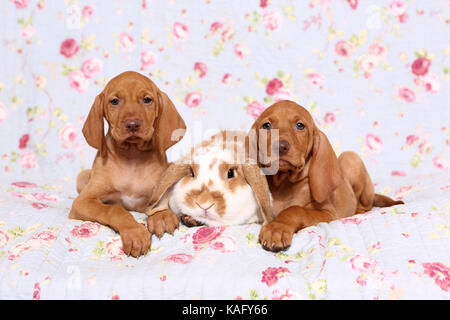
x=258, y=182
x=170, y=176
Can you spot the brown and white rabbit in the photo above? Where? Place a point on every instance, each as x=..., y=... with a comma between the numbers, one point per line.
x=215, y=184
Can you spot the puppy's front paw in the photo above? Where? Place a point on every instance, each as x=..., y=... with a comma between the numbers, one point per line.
x=136, y=240
x=276, y=236
x=162, y=221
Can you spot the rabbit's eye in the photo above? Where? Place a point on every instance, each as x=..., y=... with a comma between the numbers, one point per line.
x=267, y=126
x=192, y=173
x=230, y=174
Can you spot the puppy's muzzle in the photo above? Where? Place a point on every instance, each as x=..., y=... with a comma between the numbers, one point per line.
x=133, y=125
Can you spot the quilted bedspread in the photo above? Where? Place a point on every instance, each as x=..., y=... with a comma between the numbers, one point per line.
x=387, y=253
x=374, y=75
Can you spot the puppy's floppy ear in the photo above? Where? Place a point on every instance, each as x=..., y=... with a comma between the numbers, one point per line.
x=159, y=200
x=170, y=127
x=258, y=182
x=324, y=173
x=93, y=129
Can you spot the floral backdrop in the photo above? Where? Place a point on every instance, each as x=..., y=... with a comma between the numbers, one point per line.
x=374, y=74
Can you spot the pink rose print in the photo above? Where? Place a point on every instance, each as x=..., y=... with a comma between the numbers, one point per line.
x=263, y=3
x=254, y=109
x=69, y=48
x=114, y=249
x=180, y=31
x=28, y=160
x=68, y=133
x=273, y=86
x=24, y=184
x=441, y=163
x=27, y=32
x=115, y=297
x=424, y=147
x=439, y=272
x=282, y=95
x=272, y=20
x=397, y=8
x=431, y=83
x=3, y=239
x=374, y=143
x=193, y=99
x=78, y=82
x=271, y=275
x=420, y=66
x=39, y=206
x=227, y=77
x=329, y=118
x=368, y=63
x=224, y=244
x=36, y=291
x=44, y=236
x=288, y=294
x=227, y=34
x=148, y=58
x=316, y=79
x=353, y=4
x=215, y=27
x=23, y=141
x=344, y=48
x=3, y=112
x=20, y=4
x=400, y=193
x=182, y=258
x=42, y=196
x=91, y=66
x=201, y=69
x=411, y=139
x=406, y=94
x=206, y=234
x=87, y=11
x=377, y=49
x=363, y=264
x=86, y=230
x=398, y=173
x=126, y=41
x=356, y=219
x=241, y=50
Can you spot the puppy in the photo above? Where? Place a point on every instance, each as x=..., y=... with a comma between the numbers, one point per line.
x=143, y=124
x=311, y=185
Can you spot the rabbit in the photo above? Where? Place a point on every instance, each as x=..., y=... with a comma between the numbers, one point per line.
x=215, y=184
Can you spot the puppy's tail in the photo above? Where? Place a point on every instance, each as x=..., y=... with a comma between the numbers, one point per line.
x=383, y=201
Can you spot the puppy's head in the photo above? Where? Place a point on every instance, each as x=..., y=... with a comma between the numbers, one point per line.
x=290, y=130
x=299, y=145
x=135, y=109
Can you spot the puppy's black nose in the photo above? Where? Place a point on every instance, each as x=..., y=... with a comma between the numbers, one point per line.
x=133, y=125
x=284, y=147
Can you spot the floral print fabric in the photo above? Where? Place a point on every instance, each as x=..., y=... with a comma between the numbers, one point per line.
x=374, y=75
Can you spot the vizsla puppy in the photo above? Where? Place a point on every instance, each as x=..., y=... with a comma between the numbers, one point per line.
x=311, y=185
x=143, y=124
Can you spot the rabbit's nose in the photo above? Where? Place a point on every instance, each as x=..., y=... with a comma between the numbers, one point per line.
x=206, y=208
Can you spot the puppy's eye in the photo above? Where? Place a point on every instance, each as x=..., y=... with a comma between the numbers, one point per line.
x=115, y=101
x=267, y=126
x=192, y=173
x=147, y=100
x=300, y=126
x=230, y=174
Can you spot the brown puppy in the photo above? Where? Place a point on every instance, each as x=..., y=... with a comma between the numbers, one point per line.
x=143, y=124
x=311, y=184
